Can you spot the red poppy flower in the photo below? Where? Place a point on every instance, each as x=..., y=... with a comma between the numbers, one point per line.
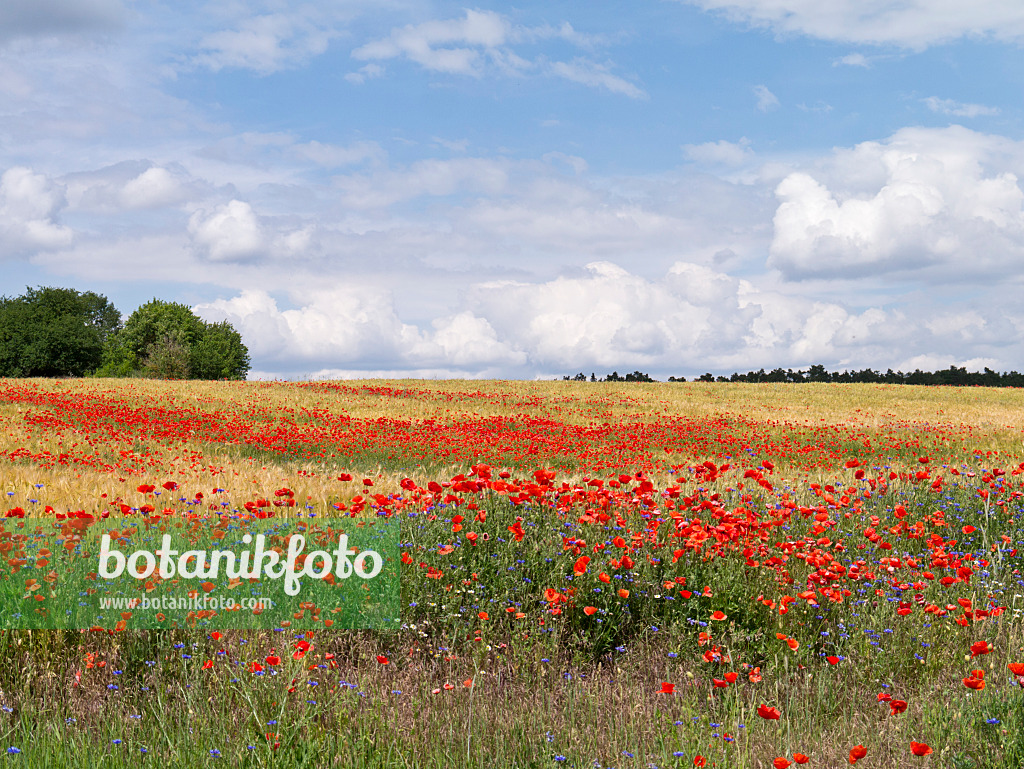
x=780, y=763
x=273, y=659
x=857, y=752
x=588, y=610
x=1017, y=668
x=897, y=707
x=981, y=647
x=699, y=760
x=772, y=714
x=382, y=659
x=667, y=688
x=718, y=615
x=800, y=758
x=919, y=748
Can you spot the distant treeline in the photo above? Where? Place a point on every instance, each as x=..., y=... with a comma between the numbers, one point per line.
x=951, y=377
x=636, y=376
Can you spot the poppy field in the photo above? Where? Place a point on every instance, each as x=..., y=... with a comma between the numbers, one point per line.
x=591, y=574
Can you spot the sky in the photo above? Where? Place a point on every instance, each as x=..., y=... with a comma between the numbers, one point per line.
x=407, y=188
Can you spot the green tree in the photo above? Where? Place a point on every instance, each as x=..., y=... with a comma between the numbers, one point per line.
x=219, y=353
x=167, y=340
x=55, y=332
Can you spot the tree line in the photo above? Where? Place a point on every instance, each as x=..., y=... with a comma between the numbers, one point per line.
x=61, y=332
x=636, y=376
x=954, y=376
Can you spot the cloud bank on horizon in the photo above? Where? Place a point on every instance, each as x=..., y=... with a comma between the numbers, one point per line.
x=436, y=190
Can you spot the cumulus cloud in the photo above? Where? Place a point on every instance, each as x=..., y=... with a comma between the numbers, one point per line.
x=334, y=326
x=29, y=206
x=43, y=18
x=131, y=185
x=908, y=23
x=343, y=326
x=229, y=232
x=959, y=109
x=690, y=319
x=924, y=197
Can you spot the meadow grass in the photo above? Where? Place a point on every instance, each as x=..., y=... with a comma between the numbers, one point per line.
x=575, y=688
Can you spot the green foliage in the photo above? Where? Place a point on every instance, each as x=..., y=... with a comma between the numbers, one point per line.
x=166, y=340
x=55, y=332
x=51, y=332
x=219, y=353
x=167, y=358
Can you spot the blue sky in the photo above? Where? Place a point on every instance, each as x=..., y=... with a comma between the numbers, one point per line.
x=446, y=190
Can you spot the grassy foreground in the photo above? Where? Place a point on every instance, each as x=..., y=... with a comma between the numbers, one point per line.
x=594, y=575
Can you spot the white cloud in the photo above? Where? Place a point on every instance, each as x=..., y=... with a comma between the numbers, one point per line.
x=339, y=325
x=265, y=43
x=131, y=185
x=364, y=73
x=959, y=109
x=686, y=321
x=720, y=153
x=596, y=75
x=229, y=232
x=968, y=325
x=940, y=362
x=853, y=60
x=154, y=187
x=29, y=205
x=467, y=46
x=924, y=197
x=907, y=23
x=467, y=340
x=766, y=100
x=450, y=46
